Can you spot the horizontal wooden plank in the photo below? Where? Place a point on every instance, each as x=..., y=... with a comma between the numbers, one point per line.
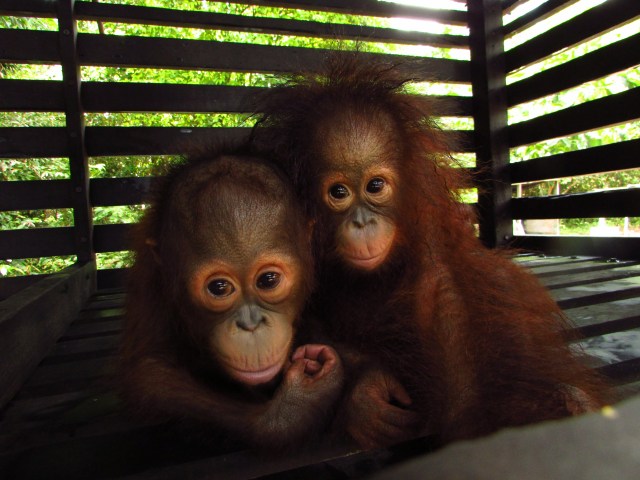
x=627, y=371
x=615, y=247
x=367, y=7
x=600, y=271
x=592, y=22
x=32, y=320
x=254, y=24
x=608, y=327
x=110, y=141
x=28, y=46
x=604, y=112
x=27, y=8
x=129, y=51
x=150, y=97
x=33, y=142
x=612, y=203
x=80, y=349
x=597, y=64
x=601, y=313
x=31, y=96
x=113, y=141
x=37, y=242
x=111, y=326
x=536, y=262
x=596, y=292
x=47, y=96
x=112, y=278
x=88, y=369
x=579, y=268
x=35, y=195
x=119, y=191
x=112, y=238
x=606, y=158
x=534, y=16
x=508, y=5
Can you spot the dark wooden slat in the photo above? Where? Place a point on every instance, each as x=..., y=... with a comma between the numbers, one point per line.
x=490, y=120
x=33, y=142
x=109, y=141
x=618, y=108
x=76, y=350
x=119, y=191
x=508, y=5
x=32, y=320
x=35, y=195
x=112, y=238
x=599, y=298
x=540, y=264
x=113, y=141
x=244, y=23
x=611, y=290
x=370, y=8
x=627, y=371
x=93, y=329
x=112, y=278
x=612, y=203
x=604, y=61
x=149, y=97
x=106, y=306
x=536, y=15
x=606, y=158
x=111, y=294
x=37, y=242
x=592, y=22
x=366, y=7
x=579, y=268
x=28, y=46
x=571, y=245
x=59, y=373
x=27, y=8
x=608, y=272
x=129, y=51
x=31, y=96
x=609, y=327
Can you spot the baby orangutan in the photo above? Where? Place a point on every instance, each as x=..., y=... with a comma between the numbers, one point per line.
x=222, y=272
x=474, y=339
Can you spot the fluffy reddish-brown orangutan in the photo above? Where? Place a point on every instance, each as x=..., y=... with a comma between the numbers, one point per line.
x=222, y=272
x=474, y=340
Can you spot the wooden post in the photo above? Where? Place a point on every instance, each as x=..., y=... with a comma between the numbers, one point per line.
x=490, y=117
x=78, y=159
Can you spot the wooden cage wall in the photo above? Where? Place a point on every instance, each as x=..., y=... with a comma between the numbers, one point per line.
x=41, y=312
x=486, y=72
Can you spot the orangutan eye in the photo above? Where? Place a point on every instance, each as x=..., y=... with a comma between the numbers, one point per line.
x=338, y=191
x=375, y=185
x=220, y=288
x=268, y=280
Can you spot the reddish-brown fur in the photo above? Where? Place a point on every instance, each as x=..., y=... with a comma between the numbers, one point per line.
x=477, y=342
x=230, y=208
